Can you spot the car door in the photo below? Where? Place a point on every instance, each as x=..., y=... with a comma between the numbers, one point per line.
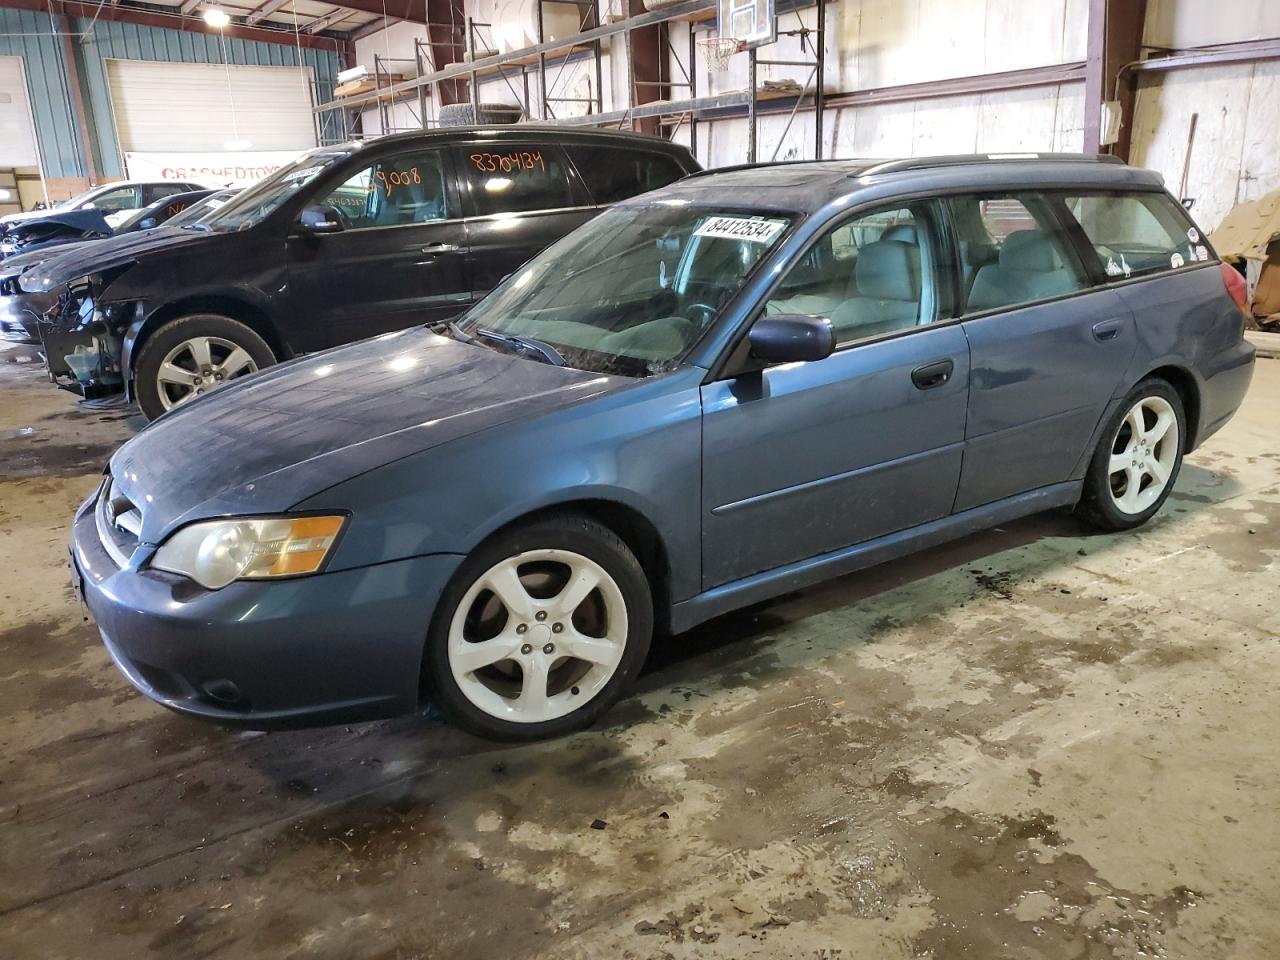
x=1048, y=349
x=399, y=258
x=519, y=196
x=803, y=459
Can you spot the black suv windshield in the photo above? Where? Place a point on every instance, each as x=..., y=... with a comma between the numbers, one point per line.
x=631, y=291
x=257, y=202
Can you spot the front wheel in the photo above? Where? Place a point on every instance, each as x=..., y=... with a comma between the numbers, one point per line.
x=1137, y=460
x=542, y=629
x=193, y=355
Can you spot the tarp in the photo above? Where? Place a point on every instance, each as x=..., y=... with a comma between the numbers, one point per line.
x=1248, y=229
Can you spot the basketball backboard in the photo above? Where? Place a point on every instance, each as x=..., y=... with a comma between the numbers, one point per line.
x=751, y=21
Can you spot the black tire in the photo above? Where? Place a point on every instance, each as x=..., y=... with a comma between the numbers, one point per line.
x=465, y=115
x=146, y=368
x=1097, y=504
x=565, y=532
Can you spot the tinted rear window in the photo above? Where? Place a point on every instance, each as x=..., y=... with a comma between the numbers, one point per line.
x=614, y=173
x=1137, y=233
x=514, y=176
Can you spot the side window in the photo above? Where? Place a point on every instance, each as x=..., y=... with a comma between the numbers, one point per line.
x=869, y=276
x=158, y=191
x=511, y=177
x=1138, y=233
x=113, y=201
x=1012, y=251
x=393, y=192
x=616, y=173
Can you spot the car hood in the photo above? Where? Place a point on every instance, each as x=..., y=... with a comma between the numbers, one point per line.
x=82, y=259
x=283, y=435
x=33, y=258
x=84, y=221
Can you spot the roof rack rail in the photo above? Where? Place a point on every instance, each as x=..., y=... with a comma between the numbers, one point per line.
x=707, y=171
x=924, y=163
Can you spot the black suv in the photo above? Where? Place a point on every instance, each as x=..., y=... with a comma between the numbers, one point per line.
x=344, y=243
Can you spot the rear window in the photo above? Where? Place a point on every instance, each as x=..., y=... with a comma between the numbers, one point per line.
x=1137, y=233
x=614, y=173
x=513, y=177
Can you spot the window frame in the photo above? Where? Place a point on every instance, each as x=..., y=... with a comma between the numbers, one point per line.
x=137, y=197
x=1067, y=228
x=1088, y=252
x=326, y=190
x=579, y=195
x=736, y=359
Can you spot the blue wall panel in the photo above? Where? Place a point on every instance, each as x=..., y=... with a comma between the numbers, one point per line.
x=28, y=35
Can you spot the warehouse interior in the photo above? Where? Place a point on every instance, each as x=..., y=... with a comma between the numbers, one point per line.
x=1036, y=740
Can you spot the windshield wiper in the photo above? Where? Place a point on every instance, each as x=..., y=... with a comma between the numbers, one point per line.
x=526, y=344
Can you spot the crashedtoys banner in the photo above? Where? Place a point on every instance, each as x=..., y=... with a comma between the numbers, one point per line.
x=211, y=169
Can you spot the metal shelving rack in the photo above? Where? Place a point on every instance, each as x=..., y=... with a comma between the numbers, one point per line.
x=517, y=64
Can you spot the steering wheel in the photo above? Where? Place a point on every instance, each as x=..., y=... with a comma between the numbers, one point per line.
x=708, y=311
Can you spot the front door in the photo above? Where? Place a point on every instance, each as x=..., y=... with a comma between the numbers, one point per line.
x=804, y=459
x=1048, y=351
x=520, y=196
x=399, y=260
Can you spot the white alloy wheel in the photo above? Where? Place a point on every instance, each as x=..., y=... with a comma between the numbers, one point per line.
x=198, y=365
x=537, y=636
x=1144, y=452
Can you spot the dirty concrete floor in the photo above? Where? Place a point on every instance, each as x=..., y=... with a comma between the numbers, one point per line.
x=1031, y=743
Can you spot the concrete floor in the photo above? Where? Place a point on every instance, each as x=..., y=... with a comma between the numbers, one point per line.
x=1031, y=743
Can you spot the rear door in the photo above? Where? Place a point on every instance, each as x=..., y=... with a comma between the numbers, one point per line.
x=806, y=458
x=518, y=196
x=400, y=259
x=1048, y=348
x=613, y=173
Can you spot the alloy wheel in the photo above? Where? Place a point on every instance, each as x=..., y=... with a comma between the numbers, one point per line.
x=537, y=636
x=198, y=365
x=1144, y=452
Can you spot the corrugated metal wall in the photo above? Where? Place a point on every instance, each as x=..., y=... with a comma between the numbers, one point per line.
x=27, y=34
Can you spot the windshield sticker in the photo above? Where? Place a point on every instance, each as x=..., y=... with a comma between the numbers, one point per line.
x=1177, y=260
x=740, y=228
x=1193, y=234
x=1202, y=252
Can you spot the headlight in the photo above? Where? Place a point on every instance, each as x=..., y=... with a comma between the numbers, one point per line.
x=35, y=281
x=216, y=552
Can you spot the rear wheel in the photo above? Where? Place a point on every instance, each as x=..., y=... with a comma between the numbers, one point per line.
x=1137, y=460
x=540, y=632
x=192, y=355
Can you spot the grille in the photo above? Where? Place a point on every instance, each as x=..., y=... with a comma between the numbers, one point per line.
x=119, y=522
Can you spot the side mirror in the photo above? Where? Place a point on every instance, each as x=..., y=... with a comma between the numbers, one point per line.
x=147, y=223
x=791, y=338
x=320, y=220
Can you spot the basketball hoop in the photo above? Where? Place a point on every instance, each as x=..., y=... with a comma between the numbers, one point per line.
x=716, y=51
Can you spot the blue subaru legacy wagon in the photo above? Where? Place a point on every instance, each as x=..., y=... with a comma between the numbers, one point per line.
x=730, y=388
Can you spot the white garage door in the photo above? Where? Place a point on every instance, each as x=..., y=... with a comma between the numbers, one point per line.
x=187, y=107
x=17, y=141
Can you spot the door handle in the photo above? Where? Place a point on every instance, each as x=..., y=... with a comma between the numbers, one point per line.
x=1106, y=330
x=435, y=249
x=933, y=374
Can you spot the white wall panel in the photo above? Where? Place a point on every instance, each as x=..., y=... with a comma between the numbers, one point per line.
x=17, y=136
x=1194, y=23
x=1234, y=156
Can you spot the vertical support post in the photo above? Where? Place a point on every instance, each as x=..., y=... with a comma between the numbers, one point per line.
x=524, y=79
x=1114, y=38
x=819, y=90
x=631, y=77
x=595, y=55
x=693, y=90
x=471, y=49
x=542, y=64
x=76, y=93
x=751, y=105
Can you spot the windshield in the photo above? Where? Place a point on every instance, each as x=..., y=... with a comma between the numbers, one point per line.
x=202, y=209
x=632, y=290
x=265, y=196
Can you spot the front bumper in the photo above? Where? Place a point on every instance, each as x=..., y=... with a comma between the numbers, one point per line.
x=20, y=314
x=331, y=648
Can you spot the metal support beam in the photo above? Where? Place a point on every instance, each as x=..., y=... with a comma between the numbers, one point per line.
x=332, y=18
x=1114, y=39
x=268, y=8
x=76, y=93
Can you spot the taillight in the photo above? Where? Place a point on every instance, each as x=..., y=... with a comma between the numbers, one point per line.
x=1236, y=286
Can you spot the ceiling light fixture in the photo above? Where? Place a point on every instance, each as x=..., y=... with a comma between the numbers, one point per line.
x=217, y=18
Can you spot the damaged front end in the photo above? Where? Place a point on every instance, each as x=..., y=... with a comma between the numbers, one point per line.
x=83, y=338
